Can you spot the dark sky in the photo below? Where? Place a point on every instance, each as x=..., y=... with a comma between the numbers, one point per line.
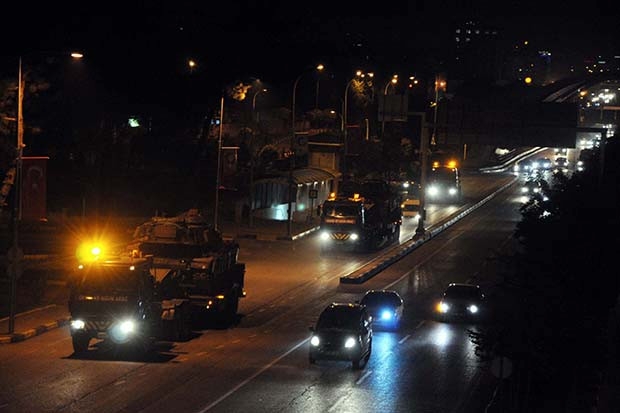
x=142, y=46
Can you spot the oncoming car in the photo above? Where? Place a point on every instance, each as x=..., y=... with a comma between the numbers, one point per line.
x=342, y=332
x=461, y=300
x=385, y=307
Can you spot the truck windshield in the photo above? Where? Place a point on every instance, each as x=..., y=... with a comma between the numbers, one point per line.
x=341, y=210
x=442, y=175
x=102, y=279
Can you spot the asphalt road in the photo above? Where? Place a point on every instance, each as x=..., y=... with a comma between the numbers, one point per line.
x=261, y=363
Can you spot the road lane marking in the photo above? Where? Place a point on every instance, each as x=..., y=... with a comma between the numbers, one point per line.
x=253, y=376
x=361, y=379
x=338, y=402
x=402, y=340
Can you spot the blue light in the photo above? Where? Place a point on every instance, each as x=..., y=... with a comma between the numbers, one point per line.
x=386, y=315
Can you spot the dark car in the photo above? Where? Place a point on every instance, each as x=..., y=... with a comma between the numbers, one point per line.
x=342, y=332
x=461, y=300
x=385, y=307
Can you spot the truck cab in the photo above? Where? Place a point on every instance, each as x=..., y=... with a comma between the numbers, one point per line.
x=444, y=184
x=116, y=300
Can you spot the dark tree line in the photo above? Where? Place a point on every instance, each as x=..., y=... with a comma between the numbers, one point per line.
x=558, y=290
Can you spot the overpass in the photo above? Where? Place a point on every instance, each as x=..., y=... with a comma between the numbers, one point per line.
x=521, y=115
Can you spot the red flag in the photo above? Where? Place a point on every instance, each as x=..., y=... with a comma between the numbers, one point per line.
x=34, y=188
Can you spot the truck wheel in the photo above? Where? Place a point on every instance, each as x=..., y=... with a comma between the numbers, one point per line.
x=80, y=343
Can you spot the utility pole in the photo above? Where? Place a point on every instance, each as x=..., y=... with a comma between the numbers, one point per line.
x=424, y=141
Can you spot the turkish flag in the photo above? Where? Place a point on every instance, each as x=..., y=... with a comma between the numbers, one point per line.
x=34, y=188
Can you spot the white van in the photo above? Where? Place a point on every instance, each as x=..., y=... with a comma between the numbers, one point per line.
x=410, y=207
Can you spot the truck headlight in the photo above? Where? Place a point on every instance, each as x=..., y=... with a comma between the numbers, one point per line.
x=315, y=341
x=127, y=326
x=354, y=237
x=78, y=324
x=324, y=236
x=452, y=191
x=433, y=190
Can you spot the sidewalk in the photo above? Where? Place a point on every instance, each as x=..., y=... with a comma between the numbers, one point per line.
x=42, y=307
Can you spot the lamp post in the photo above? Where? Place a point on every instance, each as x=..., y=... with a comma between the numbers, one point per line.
x=344, y=121
x=15, y=254
x=253, y=155
x=254, y=103
x=219, y=161
x=289, y=211
x=439, y=83
x=392, y=81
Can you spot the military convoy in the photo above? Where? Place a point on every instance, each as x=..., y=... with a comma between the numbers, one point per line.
x=176, y=272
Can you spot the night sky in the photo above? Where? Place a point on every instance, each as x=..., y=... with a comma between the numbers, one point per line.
x=140, y=49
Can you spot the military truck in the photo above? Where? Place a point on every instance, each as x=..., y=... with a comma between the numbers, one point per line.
x=116, y=299
x=363, y=216
x=192, y=260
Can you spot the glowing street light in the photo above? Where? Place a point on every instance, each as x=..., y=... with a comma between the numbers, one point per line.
x=392, y=81
x=289, y=226
x=15, y=252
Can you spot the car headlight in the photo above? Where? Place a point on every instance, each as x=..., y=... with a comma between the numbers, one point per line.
x=315, y=341
x=525, y=189
x=324, y=236
x=443, y=307
x=78, y=324
x=350, y=342
x=354, y=237
x=536, y=190
x=387, y=314
x=473, y=308
x=452, y=191
x=433, y=190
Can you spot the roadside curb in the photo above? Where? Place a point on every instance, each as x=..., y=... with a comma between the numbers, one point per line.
x=32, y=332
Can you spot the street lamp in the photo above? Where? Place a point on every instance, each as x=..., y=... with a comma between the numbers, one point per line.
x=15, y=253
x=219, y=161
x=439, y=84
x=344, y=121
x=254, y=102
x=289, y=227
x=392, y=81
x=252, y=156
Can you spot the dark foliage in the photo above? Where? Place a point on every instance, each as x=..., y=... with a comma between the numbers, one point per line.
x=558, y=288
